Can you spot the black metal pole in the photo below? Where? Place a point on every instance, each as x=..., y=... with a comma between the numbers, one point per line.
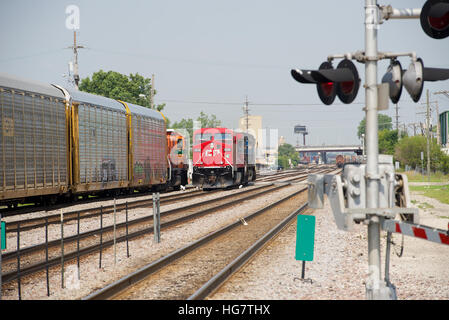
x=62, y=250
x=46, y=256
x=127, y=245
x=101, y=233
x=303, y=270
x=18, y=261
x=1, y=245
x=78, y=246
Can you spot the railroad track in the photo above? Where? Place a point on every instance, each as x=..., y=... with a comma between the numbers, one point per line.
x=33, y=223
x=140, y=226
x=186, y=273
x=296, y=175
x=31, y=256
x=280, y=176
x=31, y=208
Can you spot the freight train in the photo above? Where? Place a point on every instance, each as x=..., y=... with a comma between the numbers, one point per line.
x=223, y=158
x=340, y=161
x=57, y=144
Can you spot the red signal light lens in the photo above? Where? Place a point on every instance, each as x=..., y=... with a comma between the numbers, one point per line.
x=439, y=23
x=347, y=87
x=327, y=88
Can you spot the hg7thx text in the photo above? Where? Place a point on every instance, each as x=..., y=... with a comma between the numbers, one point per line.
x=224, y=310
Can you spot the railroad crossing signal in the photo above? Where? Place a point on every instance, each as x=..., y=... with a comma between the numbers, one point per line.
x=369, y=195
x=394, y=78
x=343, y=81
x=413, y=78
x=435, y=18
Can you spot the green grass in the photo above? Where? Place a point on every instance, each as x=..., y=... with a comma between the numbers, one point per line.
x=434, y=177
x=441, y=193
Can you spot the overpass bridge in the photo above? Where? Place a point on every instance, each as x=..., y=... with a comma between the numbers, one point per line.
x=324, y=149
x=341, y=148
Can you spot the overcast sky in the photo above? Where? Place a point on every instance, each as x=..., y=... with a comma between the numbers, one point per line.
x=209, y=55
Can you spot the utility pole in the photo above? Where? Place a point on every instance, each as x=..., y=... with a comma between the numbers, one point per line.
x=438, y=123
x=446, y=93
x=246, y=112
x=428, y=135
x=75, y=47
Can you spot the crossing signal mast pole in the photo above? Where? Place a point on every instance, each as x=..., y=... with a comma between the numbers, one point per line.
x=372, y=147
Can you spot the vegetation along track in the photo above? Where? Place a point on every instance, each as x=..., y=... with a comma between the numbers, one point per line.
x=195, y=270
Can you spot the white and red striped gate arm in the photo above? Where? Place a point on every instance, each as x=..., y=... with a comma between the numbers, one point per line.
x=417, y=231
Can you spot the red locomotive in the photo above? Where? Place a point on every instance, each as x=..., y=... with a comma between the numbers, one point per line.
x=223, y=158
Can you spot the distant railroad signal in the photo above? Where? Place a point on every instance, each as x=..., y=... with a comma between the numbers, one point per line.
x=435, y=18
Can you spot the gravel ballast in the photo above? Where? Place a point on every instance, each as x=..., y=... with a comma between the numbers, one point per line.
x=340, y=266
x=338, y=271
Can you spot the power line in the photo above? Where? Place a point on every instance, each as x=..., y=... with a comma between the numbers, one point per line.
x=252, y=103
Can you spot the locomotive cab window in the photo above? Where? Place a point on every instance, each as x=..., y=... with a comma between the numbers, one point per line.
x=179, y=146
x=203, y=137
x=223, y=136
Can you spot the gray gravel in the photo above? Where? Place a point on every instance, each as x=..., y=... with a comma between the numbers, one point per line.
x=340, y=264
x=338, y=271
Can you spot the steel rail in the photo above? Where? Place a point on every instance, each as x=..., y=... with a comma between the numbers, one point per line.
x=7, y=212
x=7, y=277
x=41, y=246
x=115, y=288
x=216, y=281
x=92, y=212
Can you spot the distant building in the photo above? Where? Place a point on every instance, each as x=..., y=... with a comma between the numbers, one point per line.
x=254, y=126
x=266, y=140
x=281, y=140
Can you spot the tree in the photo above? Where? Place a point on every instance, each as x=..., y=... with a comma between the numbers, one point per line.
x=133, y=88
x=287, y=151
x=384, y=122
x=387, y=141
x=205, y=122
x=408, y=152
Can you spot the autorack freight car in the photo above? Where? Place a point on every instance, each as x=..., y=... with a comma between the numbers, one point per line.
x=60, y=143
x=223, y=158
